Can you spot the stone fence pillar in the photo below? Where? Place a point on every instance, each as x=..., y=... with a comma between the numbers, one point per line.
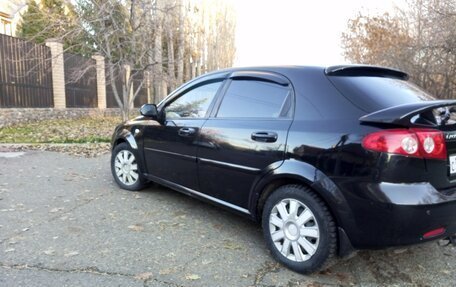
x=58, y=73
x=101, y=81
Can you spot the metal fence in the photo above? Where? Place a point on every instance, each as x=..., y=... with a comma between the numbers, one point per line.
x=80, y=81
x=26, y=78
x=25, y=74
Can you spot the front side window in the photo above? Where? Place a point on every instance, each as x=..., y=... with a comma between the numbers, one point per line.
x=255, y=99
x=193, y=104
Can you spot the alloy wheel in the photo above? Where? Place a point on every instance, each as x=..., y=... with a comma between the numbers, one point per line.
x=126, y=167
x=294, y=230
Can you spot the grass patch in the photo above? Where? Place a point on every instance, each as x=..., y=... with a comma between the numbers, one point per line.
x=83, y=130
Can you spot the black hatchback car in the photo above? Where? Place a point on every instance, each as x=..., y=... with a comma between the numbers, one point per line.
x=329, y=160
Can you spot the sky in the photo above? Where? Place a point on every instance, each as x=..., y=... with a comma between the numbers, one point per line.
x=294, y=32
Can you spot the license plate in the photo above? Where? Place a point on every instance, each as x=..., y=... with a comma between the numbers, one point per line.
x=452, y=164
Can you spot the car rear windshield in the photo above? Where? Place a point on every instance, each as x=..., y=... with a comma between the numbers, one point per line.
x=375, y=93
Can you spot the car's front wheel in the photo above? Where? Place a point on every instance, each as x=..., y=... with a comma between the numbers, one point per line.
x=298, y=228
x=125, y=169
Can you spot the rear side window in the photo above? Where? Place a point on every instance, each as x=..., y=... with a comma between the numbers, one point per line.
x=375, y=93
x=255, y=99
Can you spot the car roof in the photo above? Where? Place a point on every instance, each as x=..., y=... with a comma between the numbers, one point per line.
x=338, y=70
x=278, y=69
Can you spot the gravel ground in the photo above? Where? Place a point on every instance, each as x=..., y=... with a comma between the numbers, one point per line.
x=63, y=222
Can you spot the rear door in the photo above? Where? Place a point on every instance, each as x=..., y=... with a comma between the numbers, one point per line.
x=245, y=136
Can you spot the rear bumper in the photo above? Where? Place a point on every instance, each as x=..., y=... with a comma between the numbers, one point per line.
x=388, y=214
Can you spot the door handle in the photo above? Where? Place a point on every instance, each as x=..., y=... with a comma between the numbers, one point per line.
x=186, y=132
x=267, y=137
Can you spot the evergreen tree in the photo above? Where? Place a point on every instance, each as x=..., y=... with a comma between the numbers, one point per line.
x=53, y=19
x=33, y=24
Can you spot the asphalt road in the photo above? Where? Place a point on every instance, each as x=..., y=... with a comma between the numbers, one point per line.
x=63, y=222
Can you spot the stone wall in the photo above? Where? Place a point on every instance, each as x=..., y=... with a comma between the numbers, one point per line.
x=14, y=116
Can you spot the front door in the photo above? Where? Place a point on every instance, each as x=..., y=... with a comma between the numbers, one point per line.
x=170, y=148
x=244, y=138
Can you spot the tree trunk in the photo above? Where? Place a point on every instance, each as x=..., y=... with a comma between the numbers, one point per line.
x=188, y=67
x=193, y=69
x=180, y=46
x=171, y=70
x=158, y=61
x=126, y=90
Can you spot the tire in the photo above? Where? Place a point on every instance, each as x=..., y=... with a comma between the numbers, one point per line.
x=124, y=168
x=310, y=231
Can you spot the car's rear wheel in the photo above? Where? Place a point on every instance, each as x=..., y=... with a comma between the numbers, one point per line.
x=299, y=229
x=125, y=168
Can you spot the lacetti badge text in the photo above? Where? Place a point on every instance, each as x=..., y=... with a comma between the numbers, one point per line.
x=450, y=136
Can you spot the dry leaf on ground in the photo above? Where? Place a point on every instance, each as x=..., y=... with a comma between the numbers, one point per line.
x=136, y=227
x=143, y=276
x=192, y=277
x=70, y=254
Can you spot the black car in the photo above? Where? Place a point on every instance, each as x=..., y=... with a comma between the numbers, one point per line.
x=329, y=160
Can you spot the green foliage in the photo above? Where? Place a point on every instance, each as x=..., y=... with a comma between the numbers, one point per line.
x=108, y=27
x=33, y=23
x=53, y=19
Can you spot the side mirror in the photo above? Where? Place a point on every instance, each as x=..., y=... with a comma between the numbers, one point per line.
x=149, y=110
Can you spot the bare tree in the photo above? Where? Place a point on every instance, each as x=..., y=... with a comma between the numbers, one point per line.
x=420, y=39
x=180, y=45
x=149, y=44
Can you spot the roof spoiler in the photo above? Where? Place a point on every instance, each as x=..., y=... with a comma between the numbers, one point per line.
x=365, y=70
x=402, y=114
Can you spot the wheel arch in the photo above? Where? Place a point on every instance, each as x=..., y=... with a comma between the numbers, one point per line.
x=118, y=141
x=296, y=172
x=125, y=136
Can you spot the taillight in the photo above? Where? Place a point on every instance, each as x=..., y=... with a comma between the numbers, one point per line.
x=434, y=233
x=424, y=143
